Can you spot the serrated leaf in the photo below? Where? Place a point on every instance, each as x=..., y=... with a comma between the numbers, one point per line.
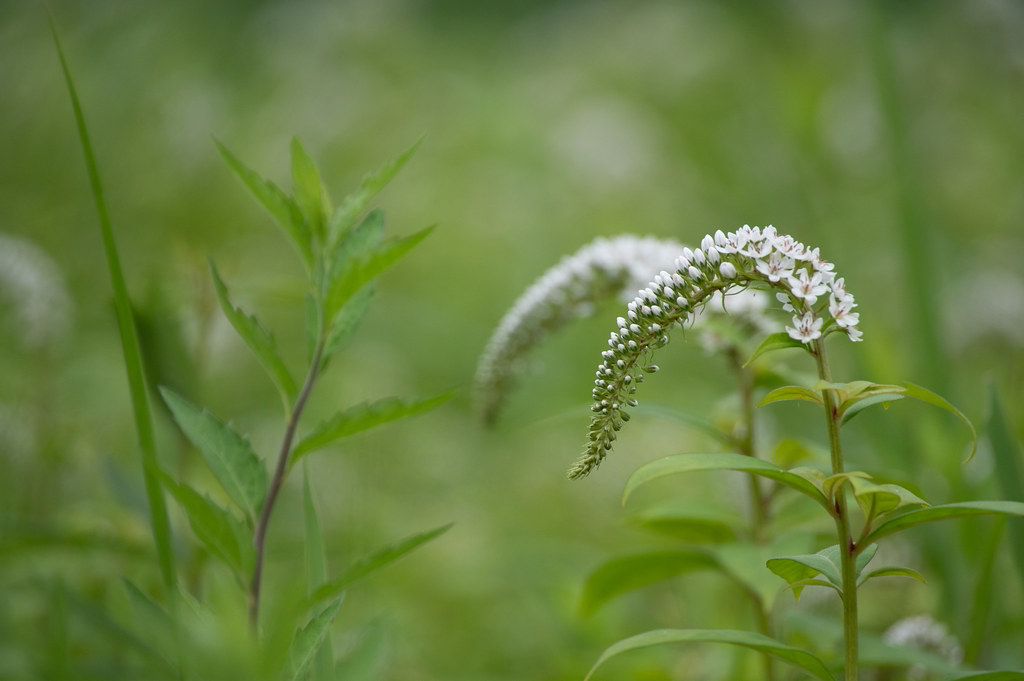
x=363, y=417
x=375, y=561
x=347, y=321
x=259, y=340
x=281, y=206
x=773, y=342
x=628, y=573
x=687, y=463
x=308, y=189
x=791, y=392
x=944, y=512
x=925, y=395
x=213, y=525
x=747, y=639
x=309, y=639
x=353, y=205
x=892, y=572
x=356, y=243
x=228, y=454
x=689, y=521
x=363, y=269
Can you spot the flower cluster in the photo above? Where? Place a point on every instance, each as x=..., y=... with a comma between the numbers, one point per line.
x=805, y=284
x=600, y=270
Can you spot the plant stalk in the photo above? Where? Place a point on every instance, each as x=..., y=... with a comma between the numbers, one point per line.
x=847, y=553
x=259, y=540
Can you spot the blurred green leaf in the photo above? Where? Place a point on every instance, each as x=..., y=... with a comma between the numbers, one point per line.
x=925, y=395
x=689, y=521
x=353, y=205
x=989, y=676
x=747, y=639
x=316, y=571
x=160, y=525
x=791, y=392
x=363, y=417
x=1006, y=454
x=946, y=511
x=687, y=463
x=776, y=341
x=309, y=190
x=259, y=340
x=628, y=573
x=789, y=452
x=213, y=525
x=309, y=639
x=356, y=243
x=282, y=207
x=228, y=454
x=364, y=268
x=375, y=561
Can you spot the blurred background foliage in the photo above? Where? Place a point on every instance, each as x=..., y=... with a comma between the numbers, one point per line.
x=887, y=133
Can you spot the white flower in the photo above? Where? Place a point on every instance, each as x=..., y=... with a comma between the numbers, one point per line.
x=841, y=310
x=777, y=267
x=807, y=287
x=790, y=247
x=855, y=334
x=807, y=328
x=758, y=249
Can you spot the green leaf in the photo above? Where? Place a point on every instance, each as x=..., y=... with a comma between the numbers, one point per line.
x=773, y=342
x=989, y=676
x=747, y=639
x=943, y=512
x=791, y=392
x=363, y=269
x=309, y=190
x=628, y=573
x=789, y=452
x=353, y=205
x=861, y=405
x=309, y=639
x=281, y=206
x=925, y=395
x=259, y=340
x=356, y=243
x=228, y=454
x=316, y=571
x=797, y=570
x=689, y=522
x=213, y=525
x=363, y=417
x=375, y=561
x=1006, y=454
x=687, y=463
x=874, y=499
x=129, y=337
x=347, y=320
x=891, y=572
x=744, y=562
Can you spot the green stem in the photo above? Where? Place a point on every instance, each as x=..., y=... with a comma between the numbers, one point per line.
x=847, y=547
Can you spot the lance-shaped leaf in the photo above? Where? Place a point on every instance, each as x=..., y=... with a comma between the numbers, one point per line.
x=347, y=321
x=363, y=417
x=309, y=191
x=228, y=454
x=861, y=405
x=925, y=395
x=689, y=521
x=747, y=639
x=375, y=561
x=989, y=676
x=1006, y=454
x=945, y=511
x=282, y=207
x=874, y=499
x=791, y=392
x=891, y=572
x=213, y=525
x=688, y=463
x=773, y=342
x=362, y=270
x=309, y=639
x=628, y=573
x=353, y=205
x=259, y=340
x=356, y=243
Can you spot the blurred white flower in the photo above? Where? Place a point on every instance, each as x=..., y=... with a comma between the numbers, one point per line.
x=34, y=292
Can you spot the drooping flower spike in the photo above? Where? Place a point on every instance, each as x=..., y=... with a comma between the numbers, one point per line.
x=604, y=268
x=804, y=283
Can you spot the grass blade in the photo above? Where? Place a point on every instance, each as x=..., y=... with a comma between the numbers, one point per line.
x=129, y=340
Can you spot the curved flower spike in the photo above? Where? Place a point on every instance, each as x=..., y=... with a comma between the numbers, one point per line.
x=804, y=284
x=602, y=269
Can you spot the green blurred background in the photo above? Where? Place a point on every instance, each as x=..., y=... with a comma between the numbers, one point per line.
x=888, y=134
